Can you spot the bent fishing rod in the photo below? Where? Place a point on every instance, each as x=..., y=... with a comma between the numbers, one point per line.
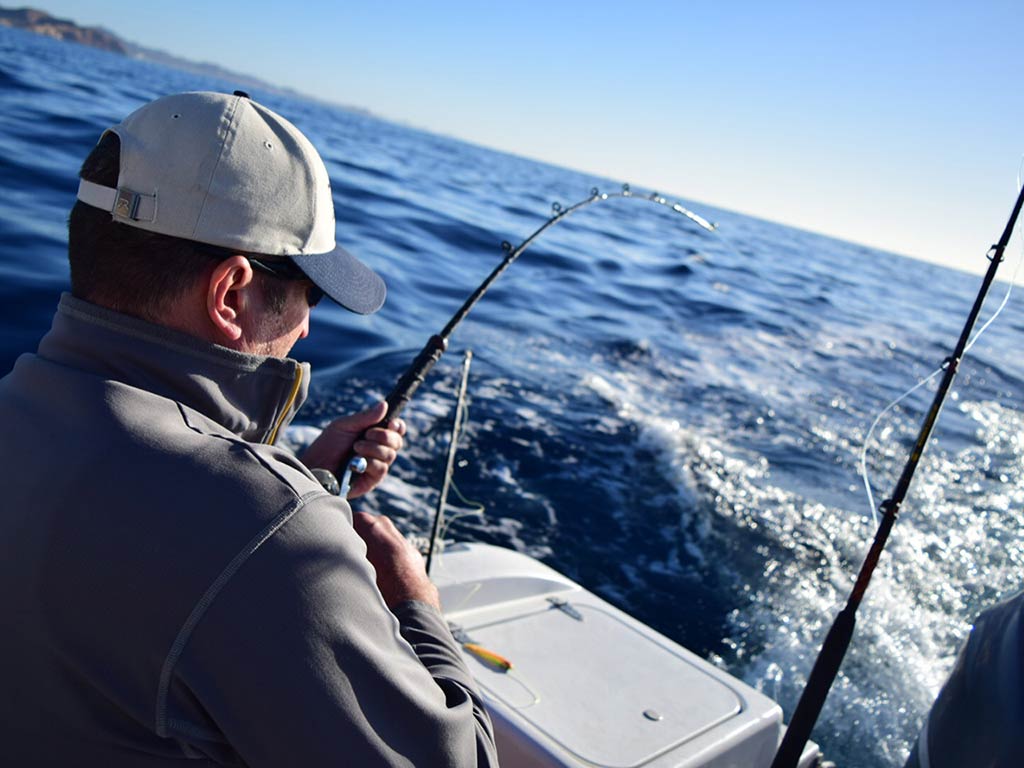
x=437, y=344
x=826, y=666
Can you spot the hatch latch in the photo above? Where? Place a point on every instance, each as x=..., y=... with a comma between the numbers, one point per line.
x=564, y=606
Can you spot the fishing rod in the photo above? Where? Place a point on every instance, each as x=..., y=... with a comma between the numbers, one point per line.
x=449, y=467
x=437, y=344
x=826, y=666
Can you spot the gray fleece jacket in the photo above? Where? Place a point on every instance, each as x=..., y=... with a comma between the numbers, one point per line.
x=173, y=588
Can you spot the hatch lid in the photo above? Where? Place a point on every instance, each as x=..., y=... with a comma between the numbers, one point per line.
x=603, y=691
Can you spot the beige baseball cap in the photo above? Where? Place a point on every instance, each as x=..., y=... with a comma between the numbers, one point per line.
x=223, y=170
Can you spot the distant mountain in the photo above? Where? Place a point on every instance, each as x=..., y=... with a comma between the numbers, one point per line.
x=42, y=23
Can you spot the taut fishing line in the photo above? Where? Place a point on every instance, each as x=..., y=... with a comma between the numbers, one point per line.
x=435, y=347
x=864, y=474
x=826, y=667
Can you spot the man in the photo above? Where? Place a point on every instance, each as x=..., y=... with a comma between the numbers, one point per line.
x=172, y=586
x=978, y=716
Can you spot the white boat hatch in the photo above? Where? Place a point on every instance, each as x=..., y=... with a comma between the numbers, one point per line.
x=603, y=691
x=590, y=685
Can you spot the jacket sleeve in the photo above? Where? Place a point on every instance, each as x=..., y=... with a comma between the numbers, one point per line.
x=976, y=719
x=427, y=632
x=296, y=660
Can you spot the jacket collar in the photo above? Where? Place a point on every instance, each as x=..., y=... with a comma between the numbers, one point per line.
x=252, y=396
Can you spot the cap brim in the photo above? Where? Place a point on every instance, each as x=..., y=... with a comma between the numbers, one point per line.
x=345, y=280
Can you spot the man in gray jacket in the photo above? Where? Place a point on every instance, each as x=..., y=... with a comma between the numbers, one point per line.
x=172, y=585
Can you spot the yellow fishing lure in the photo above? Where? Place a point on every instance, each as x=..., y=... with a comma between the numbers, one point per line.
x=499, y=663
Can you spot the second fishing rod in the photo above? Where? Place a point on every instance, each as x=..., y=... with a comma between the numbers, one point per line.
x=833, y=650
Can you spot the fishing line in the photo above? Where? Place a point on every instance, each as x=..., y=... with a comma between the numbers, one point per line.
x=495, y=662
x=477, y=586
x=477, y=509
x=864, y=449
x=422, y=543
x=498, y=663
x=865, y=476
x=837, y=641
x=1013, y=278
x=453, y=446
x=437, y=344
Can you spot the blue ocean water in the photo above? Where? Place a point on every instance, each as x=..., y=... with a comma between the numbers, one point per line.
x=672, y=417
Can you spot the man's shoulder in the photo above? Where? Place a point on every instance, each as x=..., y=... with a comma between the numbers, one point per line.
x=216, y=465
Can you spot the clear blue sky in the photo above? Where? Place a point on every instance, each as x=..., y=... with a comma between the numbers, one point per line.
x=898, y=125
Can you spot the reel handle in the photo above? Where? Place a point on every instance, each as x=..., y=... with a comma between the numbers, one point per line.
x=397, y=399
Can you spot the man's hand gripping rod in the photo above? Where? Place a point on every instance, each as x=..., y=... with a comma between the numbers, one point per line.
x=437, y=344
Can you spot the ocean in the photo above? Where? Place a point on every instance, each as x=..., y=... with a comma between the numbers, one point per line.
x=670, y=416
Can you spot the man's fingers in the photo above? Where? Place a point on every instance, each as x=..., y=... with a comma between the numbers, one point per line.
x=357, y=422
x=376, y=469
x=371, y=451
x=385, y=437
x=378, y=445
x=395, y=430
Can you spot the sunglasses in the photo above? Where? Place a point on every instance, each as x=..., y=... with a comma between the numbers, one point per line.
x=285, y=269
x=288, y=270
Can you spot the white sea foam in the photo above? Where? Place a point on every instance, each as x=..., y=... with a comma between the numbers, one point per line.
x=957, y=539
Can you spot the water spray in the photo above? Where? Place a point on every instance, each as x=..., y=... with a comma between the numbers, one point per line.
x=826, y=666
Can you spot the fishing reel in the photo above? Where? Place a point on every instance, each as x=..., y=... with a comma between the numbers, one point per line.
x=330, y=482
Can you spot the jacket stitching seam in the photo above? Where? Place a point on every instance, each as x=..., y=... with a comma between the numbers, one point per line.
x=238, y=441
x=200, y=608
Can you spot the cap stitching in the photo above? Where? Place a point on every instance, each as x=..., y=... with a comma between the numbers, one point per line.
x=229, y=120
x=316, y=200
x=311, y=168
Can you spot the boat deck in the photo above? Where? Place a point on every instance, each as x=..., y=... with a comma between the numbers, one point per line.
x=589, y=685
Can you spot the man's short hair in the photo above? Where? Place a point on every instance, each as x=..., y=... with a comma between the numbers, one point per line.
x=128, y=269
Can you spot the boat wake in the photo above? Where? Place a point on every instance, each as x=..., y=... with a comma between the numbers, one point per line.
x=790, y=562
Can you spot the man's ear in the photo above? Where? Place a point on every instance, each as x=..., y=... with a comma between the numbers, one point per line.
x=226, y=296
